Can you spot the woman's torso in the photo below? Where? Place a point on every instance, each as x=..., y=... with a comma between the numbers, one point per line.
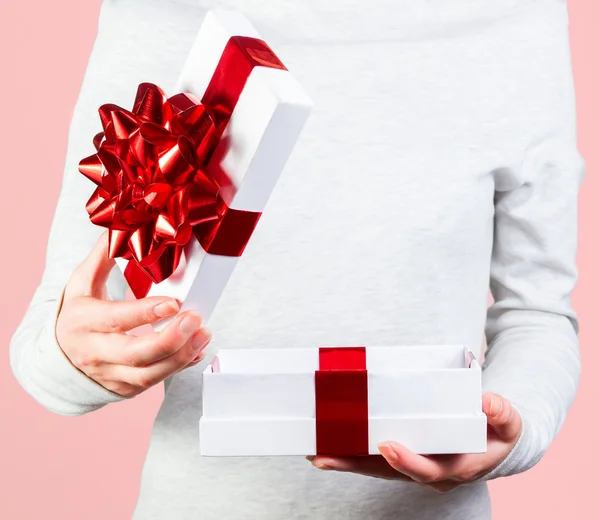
x=379, y=232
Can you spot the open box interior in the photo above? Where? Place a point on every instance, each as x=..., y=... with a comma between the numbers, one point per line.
x=264, y=401
x=306, y=360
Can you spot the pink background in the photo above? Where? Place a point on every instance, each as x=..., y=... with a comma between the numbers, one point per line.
x=88, y=467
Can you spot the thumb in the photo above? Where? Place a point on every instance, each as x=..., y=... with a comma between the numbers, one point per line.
x=504, y=419
x=90, y=276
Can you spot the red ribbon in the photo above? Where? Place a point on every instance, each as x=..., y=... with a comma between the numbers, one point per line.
x=154, y=187
x=342, y=402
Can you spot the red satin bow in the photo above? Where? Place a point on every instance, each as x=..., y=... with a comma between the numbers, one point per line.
x=154, y=188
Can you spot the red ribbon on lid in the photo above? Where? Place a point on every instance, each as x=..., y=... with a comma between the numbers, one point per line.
x=342, y=402
x=155, y=190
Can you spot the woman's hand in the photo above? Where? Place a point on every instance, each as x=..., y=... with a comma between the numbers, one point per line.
x=440, y=472
x=92, y=331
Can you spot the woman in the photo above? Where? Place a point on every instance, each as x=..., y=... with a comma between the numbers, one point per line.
x=440, y=160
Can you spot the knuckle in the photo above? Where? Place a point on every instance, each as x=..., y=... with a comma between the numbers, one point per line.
x=124, y=389
x=198, y=343
x=97, y=374
x=465, y=476
x=144, y=380
x=131, y=360
x=431, y=478
x=142, y=315
x=127, y=391
x=147, y=316
x=112, y=323
x=188, y=354
x=469, y=476
x=90, y=360
x=164, y=348
x=83, y=360
x=77, y=359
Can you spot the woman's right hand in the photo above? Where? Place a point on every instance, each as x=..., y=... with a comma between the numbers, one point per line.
x=92, y=331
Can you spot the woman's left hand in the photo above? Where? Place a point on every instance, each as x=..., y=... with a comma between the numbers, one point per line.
x=440, y=472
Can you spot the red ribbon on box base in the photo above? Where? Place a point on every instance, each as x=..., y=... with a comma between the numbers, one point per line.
x=155, y=190
x=342, y=402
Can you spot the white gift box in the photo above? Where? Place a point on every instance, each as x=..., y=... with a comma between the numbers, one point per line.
x=258, y=139
x=262, y=402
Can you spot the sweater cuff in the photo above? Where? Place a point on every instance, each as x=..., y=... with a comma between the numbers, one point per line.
x=513, y=462
x=66, y=389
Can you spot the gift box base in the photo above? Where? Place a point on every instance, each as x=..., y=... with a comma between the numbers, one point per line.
x=279, y=437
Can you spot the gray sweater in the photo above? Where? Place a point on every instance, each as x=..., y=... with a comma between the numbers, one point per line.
x=440, y=161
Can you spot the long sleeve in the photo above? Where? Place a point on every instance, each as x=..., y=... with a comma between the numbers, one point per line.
x=533, y=355
x=134, y=44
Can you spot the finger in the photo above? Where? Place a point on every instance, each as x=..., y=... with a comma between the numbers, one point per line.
x=91, y=275
x=153, y=374
x=194, y=361
x=150, y=348
x=100, y=350
x=111, y=316
x=418, y=467
x=371, y=466
x=502, y=417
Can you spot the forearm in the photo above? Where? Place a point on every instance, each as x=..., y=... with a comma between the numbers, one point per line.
x=534, y=363
x=131, y=47
x=43, y=370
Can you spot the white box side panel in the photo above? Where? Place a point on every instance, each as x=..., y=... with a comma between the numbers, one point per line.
x=257, y=396
x=432, y=435
x=223, y=438
x=423, y=392
x=277, y=396
x=425, y=435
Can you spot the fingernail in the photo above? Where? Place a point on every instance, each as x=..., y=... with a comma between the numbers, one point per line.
x=324, y=464
x=495, y=406
x=190, y=323
x=485, y=405
x=201, y=339
x=164, y=309
x=388, y=451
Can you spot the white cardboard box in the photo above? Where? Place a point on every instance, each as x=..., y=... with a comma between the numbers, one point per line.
x=262, y=401
x=257, y=142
